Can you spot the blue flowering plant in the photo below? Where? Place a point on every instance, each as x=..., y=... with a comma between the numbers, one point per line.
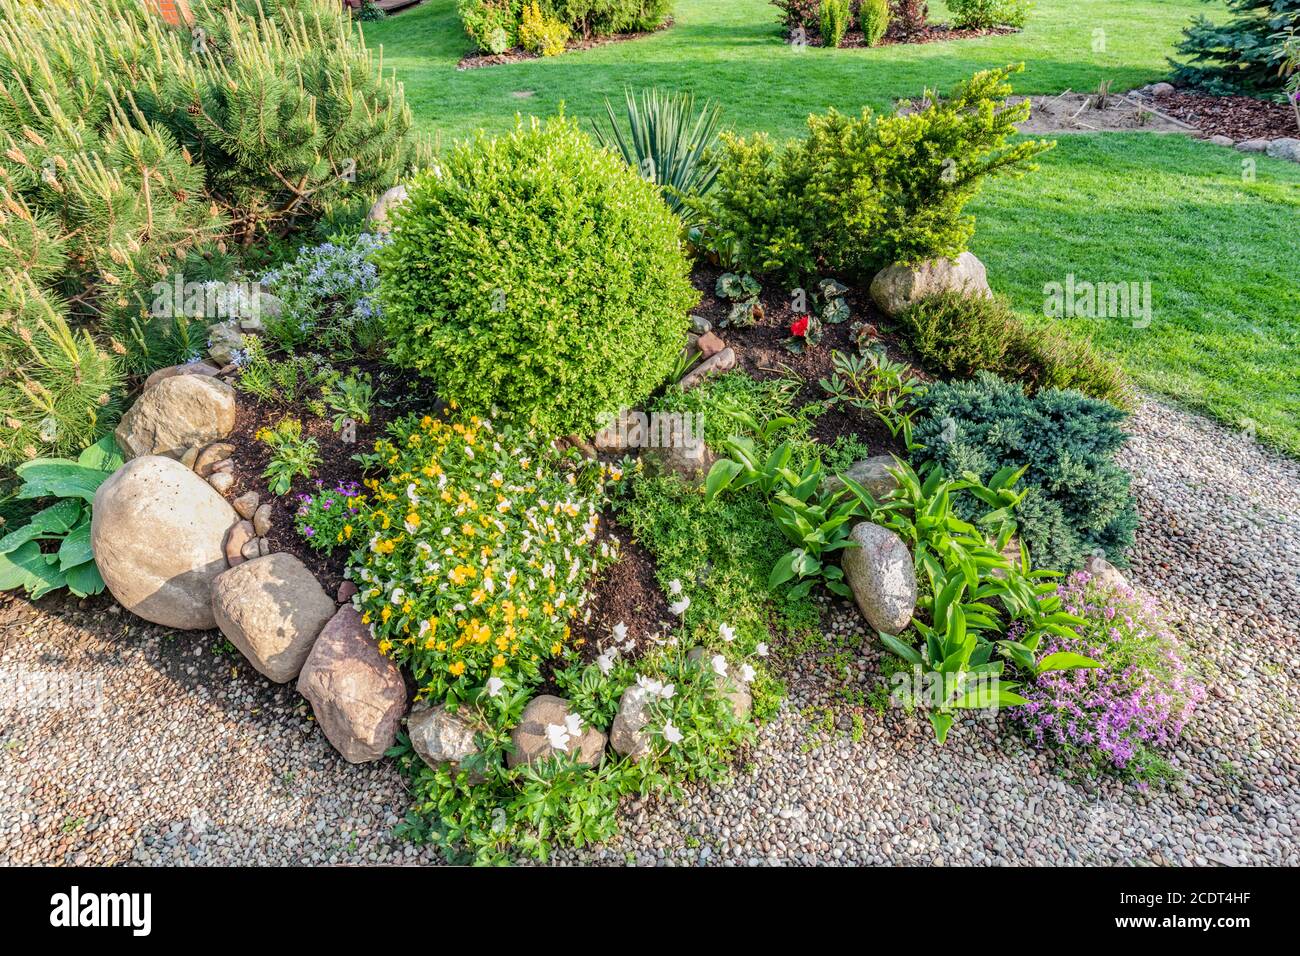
x=329, y=300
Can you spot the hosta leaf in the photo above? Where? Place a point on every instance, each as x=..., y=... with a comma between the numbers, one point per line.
x=58, y=518
x=84, y=579
x=75, y=548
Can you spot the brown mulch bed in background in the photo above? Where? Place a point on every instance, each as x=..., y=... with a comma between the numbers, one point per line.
x=1237, y=117
x=475, y=61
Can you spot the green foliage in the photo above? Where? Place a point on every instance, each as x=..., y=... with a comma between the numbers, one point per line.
x=874, y=16
x=667, y=142
x=351, y=397
x=960, y=335
x=834, y=21
x=971, y=595
x=1078, y=500
x=980, y=14
x=292, y=456
x=873, y=383
x=23, y=561
x=859, y=194
x=1245, y=54
x=279, y=380
x=577, y=301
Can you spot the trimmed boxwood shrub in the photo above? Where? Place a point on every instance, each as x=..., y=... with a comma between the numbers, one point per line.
x=538, y=274
x=1079, y=499
x=961, y=335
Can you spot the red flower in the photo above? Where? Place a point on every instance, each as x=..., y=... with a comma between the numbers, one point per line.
x=799, y=327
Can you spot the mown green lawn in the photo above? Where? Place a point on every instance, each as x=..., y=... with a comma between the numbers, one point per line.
x=1222, y=254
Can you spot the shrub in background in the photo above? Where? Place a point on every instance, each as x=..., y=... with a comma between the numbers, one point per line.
x=874, y=16
x=1244, y=55
x=1080, y=502
x=859, y=194
x=834, y=21
x=497, y=26
x=541, y=34
x=538, y=274
x=960, y=335
x=910, y=15
x=1124, y=713
x=981, y=14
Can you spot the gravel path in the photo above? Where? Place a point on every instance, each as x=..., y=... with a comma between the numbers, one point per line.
x=195, y=758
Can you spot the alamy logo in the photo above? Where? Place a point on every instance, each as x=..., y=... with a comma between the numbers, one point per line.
x=1098, y=300
x=73, y=909
x=208, y=300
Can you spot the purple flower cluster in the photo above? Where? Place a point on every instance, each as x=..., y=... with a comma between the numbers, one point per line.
x=331, y=284
x=329, y=512
x=1141, y=697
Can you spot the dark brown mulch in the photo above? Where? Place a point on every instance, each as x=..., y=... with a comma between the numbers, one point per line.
x=475, y=61
x=930, y=33
x=398, y=394
x=1237, y=117
x=761, y=352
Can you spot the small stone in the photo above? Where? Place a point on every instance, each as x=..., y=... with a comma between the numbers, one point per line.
x=700, y=325
x=250, y=550
x=678, y=450
x=872, y=473
x=879, y=570
x=379, y=219
x=246, y=504
x=346, y=590
x=211, y=456
x=1221, y=140
x=709, y=344
x=1161, y=89
x=190, y=456
x=1253, y=145
x=237, y=540
x=263, y=547
x=532, y=742
x=441, y=737
x=262, y=520
x=223, y=481
x=625, y=734
x=1105, y=575
x=721, y=362
x=626, y=432
x=225, y=339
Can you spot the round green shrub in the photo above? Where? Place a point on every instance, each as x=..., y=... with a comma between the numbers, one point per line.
x=536, y=273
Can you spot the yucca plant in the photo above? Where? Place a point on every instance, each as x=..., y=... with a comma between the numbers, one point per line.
x=669, y=142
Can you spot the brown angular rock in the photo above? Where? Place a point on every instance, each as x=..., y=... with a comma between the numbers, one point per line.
x=721, y=362
x=175, y=414
x=356, y=693
x=236, y=540
x=533, y=742
x=271, y=608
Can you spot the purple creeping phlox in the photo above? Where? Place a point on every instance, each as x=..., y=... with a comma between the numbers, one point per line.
x=1137, y=702
x=325, y=517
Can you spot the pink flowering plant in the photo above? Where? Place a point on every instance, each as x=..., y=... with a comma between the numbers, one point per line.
x=1122, y=714
x=326, y=517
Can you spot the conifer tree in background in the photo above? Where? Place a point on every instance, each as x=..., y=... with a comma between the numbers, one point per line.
x=1245, y=54
x=130, y=147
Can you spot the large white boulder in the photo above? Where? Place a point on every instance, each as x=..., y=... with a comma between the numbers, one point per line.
x=158, y=533
x=176, y=414
x=271, y=608
x=896, y=288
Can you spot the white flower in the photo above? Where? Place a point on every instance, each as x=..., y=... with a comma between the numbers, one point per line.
x=557, y=736
x=679, y=607
x=649, y=685
x=674, y=587
x=746, y=673
x=494, y=686
x=398, y=594
x=573, y=724
x=671, y=733
x=719, y=665
x=606, y=662
x=761, y=650
x=411, y=495
x=620, y=631
x=727, y=632
x=667, y=691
